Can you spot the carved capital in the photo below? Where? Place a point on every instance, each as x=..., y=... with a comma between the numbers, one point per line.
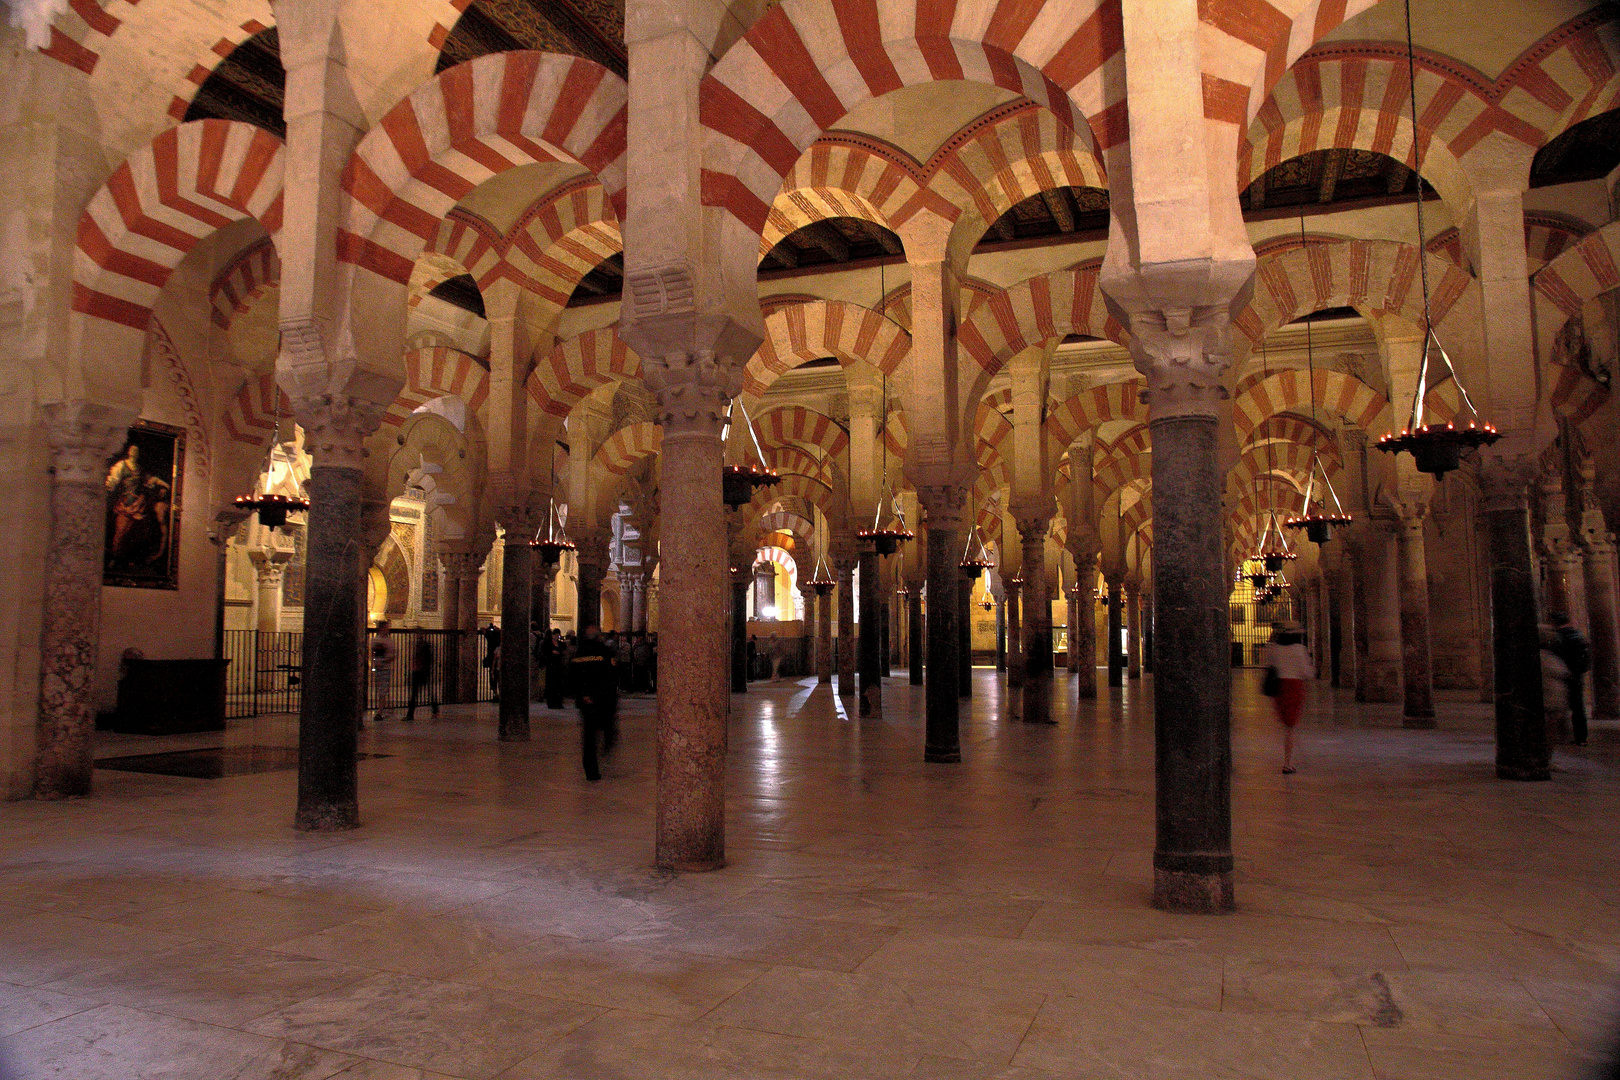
x=461, y=564
x=335, y=428
x=83, y=437
x=692, y=390
x=593, y=550
x=1182, y=352
x=1504, y=484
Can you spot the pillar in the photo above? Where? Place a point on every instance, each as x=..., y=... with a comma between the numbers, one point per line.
x=1523, y=751
x=1071, y=613
x=83, y=438
x=844, y=569
x=334, y=612
x=540, y=614
x=1602, y=616
x=627, y=599
x=517, y=580
x=1001, y=632
x=450, y=621
x=811, y=638
x=638, y=602
x=824, y=657
x=461, y=615
x=741, y=582
x=1380, y=671
x=1032, y=530
x=890, y=645
x=1116, y=621
x=1083, y=631
x=914, y=635
x=764, y=590
x=591, y=558
x=943, y=494
x=1417, y=667
x=1015, y=631
x=964, y=636
x=871, y=635
x=1133, y=630
x=267, y=573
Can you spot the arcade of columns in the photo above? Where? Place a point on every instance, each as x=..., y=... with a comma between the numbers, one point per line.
x=1107, y=414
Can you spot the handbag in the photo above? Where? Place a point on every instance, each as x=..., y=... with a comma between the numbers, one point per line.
x=1272, y=682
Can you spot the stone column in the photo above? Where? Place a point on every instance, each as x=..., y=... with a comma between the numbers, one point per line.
x=885, y=608
x=268, y=567
x=517, y=580
x=824, y=656
x=461, y=616
x=1116, y=622
x=627, y=600
x=1071, y=613
x=1380, y=574
x=914, y=635
x=1001, y=632
x=638, y=601
x=812, y=662
x=1602, y=609
x=592, y=560
x=1417, y=668
x=1032, y=530
x=540, y=613
x=764, y=590
x=1015, y=631
x=741, y=581
x=334, y=611
x=450, y=621
x=1523, y=751
x=964, y=636
x=943, y=493
x=1083, y=633
x=83, y=439
x=1133, y=630
x=844, y=570
x=871, y=635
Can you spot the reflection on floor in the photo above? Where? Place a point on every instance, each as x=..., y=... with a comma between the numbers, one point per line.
x=210, y=762
x=1403, y=914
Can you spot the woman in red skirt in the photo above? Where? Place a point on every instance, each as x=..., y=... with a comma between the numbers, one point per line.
x=1286, y=656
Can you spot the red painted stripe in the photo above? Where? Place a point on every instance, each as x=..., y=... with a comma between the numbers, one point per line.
x=1112, y=126
x=1225, y=100
x=578, y=87
x=405, y=133
x=934, y=18
x=262, y=151
x=1004, y=70
x=271, y=218
x=94, y=17
x=111, y=308
x=359, y=251
x=777, y=41
x=70, y=52
x=724, y=111
x=729, y=193
x=94, y=243
x=940, y=56
x=609, y=145
x=517, y=83
x=863, y=37
x=1011, y=21
x=456, y=88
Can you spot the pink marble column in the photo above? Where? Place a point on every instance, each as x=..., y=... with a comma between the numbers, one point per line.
x=1083, y=632
x=83, y=439
x=1417, y=666
x=844, y=571
x=1133, y=630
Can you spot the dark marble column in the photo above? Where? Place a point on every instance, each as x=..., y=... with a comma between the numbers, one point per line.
x=1192, y=859
x=1083, y=634
x=1116, y=622
x=809, y=596
x=1015, y=630
x=517, y=580
x=1356, y=580
x=334, y=613
x=1001, y=633
x=1071, y=613
x=1133, y=627
x=741, y=582
x=1523, y=751
x=592, y=562
x=824, y=657
x=1604, y=615
x=1381, y=599
x=83, y=439
x=871, y=635
x=885, y=610
x=450, y=619
x=539, y=616
x=915, y=634
x=467, y=646
x=1037, y=704
x=945, y=503
x=1417, y=668
x=845, y=571
x=1147, y=634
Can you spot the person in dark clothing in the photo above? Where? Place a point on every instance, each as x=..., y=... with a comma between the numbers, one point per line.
x=1571, y=646
x=421, y=676
x=641, y=656
x=492, y=657
x=555, y=652
x=596, y=690
x=753, y=657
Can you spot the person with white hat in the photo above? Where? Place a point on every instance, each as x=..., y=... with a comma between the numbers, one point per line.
x=1288, y=669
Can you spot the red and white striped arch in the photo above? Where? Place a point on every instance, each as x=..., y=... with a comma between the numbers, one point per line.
x=1120, y=470
x=579, y=365
x=1034, y=312
x=467, y=124
x=1134, y=440
x=806, y=63
x=250, y=415
x=795, y=425
x=1575, y=395
x=798, y=486
x=1548, y=235
x=1288, y=427
x=843, y=174
x=796, y=333
x=1295, y=459
x=560, y=239
x=159, y=204
x=247, y=276
x=627, y=446
x=991, y=430
x=1091, y=407
x=1333, y=392
x=1370, y=275
x=1586, y=271
x=435, y=372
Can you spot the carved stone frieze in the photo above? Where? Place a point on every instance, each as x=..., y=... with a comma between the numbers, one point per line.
x=335, y=428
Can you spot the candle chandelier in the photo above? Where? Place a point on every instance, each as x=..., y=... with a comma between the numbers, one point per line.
x=1318, y=524
x=975, y=559
x=737, y=482
x=271, y=507
x=1437, y=448
x=886, y=536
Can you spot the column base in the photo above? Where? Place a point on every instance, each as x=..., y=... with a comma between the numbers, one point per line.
x=1522, y=772
x=943, y=757
x=1420, y=723
x=1191, y=893
x=327, y=818
x=692, y=866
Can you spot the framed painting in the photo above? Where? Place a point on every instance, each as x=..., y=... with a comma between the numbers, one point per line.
x=143, y=509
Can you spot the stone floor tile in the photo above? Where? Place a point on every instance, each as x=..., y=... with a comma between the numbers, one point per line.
x=118, y=1043
x=247, y=918
x=1077, y=1037
x=977, y=915
x=1404, y=1054
x=454, y=1028
x=934, y=1067
x=627, y=1046
x=24, y=1007
x=44, y=948
x=429, y=944
x=616, y=976
x=743, y=935
x=917, y=1016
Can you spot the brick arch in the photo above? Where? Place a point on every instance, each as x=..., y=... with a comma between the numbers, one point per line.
x=250, y=415
x=1035, y=311
x=1091, y=407
x=1333, y=392
x=1548, y=235
x=806, y=63
x=991, y=431
x=628, y=445
x=796, y=485
x=577, y=366
x=560, y=239
x=1287, y=457
x=786, y=458
x=433, y=148
x=843, y=174
x=1121, y=470
x=1566, y=284
x=795, y=425
x=434, y=372
x=1289, y=427
x=1261, y=38
x=1135, y=440
x=246, y=277
x=795, y=333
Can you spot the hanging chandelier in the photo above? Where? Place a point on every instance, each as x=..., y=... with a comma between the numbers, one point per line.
x=551, y=548
x=1437, y=448
x=886, y=537
x=974, y=562
x=737, y=482
x=271, y=507
x=1273, y=549
x=820, y=580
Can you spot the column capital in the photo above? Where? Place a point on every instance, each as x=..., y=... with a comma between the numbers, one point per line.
x=1182, y=352
x=461, y=563
x=942, y=491
x=1504, y=483
x=1034, y=520
x=335, y=427
x=83, y=437
x=592, y=549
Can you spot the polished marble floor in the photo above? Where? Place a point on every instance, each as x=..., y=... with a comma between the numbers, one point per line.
x=1403, y=915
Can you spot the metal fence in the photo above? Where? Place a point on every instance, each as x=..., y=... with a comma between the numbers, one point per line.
x=266, y=671
x=1252, y=621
